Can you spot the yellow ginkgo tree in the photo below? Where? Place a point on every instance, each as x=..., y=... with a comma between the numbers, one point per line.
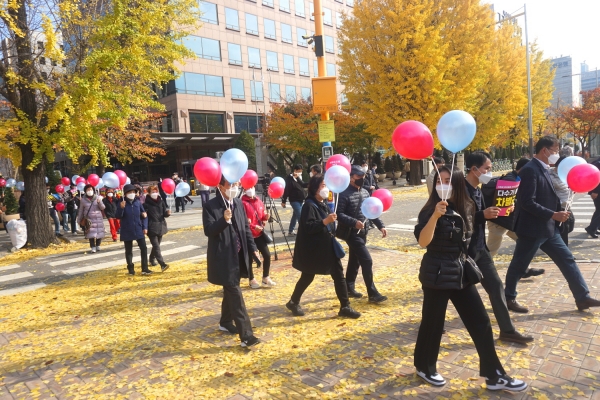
x=73, y=69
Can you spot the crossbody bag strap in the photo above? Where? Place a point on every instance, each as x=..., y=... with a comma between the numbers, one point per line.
x=256, y=213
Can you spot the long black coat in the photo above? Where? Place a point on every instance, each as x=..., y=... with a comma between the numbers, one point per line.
x=222, y=258
x=313, y=252
x=157, y=212
x=110, y=210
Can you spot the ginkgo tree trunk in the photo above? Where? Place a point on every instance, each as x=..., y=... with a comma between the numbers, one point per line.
x=71, y=71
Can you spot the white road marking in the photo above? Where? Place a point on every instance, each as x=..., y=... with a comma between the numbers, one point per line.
x=583, y=208
x=583, y=214
x=12, y=277
x=414, y=219
x=21, y=289
x=7, y=267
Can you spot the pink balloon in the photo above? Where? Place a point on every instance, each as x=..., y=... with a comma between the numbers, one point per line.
x=338, y=159
x=122, y=176
x=60, y=207
x=413, y=140
x=385, y=196
x=276, y=190
x=93, y=179
x=2, y=182
x=208, y=171
x=79, y=180
x=59, y=189
x=249, y=179
x=65, y=181
x=583, y=178
x=168, y=186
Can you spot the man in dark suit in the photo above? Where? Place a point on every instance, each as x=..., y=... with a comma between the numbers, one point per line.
x=538, y=217
x=229, y=238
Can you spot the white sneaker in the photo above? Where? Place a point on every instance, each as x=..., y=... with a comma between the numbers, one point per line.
x=93, y=250
x=97, y=248
x=268, y=282
x=505, y=382
x=254, y=284
x=435, y=379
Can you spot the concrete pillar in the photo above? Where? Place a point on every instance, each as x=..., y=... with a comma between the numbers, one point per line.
x=460, y=161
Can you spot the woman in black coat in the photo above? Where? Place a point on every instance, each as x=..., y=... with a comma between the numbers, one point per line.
x=157, y=226
x=313, y=253
x=444, y=228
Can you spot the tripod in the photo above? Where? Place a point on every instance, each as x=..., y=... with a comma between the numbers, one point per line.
x=274, y=217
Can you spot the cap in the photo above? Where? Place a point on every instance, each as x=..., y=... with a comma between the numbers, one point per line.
x=357, y=170
x=128, y=188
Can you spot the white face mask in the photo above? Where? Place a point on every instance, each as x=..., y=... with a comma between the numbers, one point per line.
x=154, y=195
x=90, y=193
x=324, y=193
x=444, y=191
x=311, y=174
x=232, y=192
x=110, y=194
x=130, y=196
x=366, y=169
x=250, y=192
x=553, y=158
x=485, y=178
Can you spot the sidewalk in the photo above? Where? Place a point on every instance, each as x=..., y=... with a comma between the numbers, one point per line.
x=108, y=335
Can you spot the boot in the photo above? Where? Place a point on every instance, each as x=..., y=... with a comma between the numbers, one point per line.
x=352, y=292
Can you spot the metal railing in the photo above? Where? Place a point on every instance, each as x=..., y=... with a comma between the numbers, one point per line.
x=502, y=165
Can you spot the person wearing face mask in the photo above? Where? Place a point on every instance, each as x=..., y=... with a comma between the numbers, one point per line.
x=134, y=226
x=314, y=253
x=110, y=211
x=257, y=216
x=70, y=212
x=444, y=229
x=230, y=243
x=179, y=201
x=294, y=190
x=353, y=228
x=90, y=210
x=479, y=165
x=437, y=163
x=314, y=170
x=538, y=218
x=157, y=225
x=52, y=200
x=370, y=183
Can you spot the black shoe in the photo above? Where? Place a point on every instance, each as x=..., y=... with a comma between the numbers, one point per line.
x=295, y=309
x=353, y=293
x=505, y=382
x=435, y=379
x=146, y=272
x=515, y=337
x=153, y=263
x=163, y=268
x=192, y=201
x=533, y=272
x=592, y=234
x=378, y=298
x=587, y=303
x=131, y=271
x=228, y=327
x=348, y=312
x=514, y=305
x=251, y=341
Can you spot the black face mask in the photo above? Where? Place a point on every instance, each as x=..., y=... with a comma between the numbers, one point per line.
x=359, y=182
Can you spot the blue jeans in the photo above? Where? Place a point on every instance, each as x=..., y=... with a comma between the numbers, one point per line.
x=54, y=217
x=556, y=249
x=297, y=207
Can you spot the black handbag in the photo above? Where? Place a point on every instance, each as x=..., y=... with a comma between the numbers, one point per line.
x=344, y=231
x=266, y=236
x=471, y=270
x=569, y=224
x=338, y=250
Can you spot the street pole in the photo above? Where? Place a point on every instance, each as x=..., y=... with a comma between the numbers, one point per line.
x=321, y=64
x=529, y=105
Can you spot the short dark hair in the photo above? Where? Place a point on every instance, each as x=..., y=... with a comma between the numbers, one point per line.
x=316, y=168
x=477, y=159
x=545, y=142
x=438, y=160
x=222, y=181
x=560, y=159
x=314, y=183
x=85, y=188
x=521, y=163
x=374, y=165
x=298, y=167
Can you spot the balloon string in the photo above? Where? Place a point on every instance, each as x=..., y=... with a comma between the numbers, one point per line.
x=569, y=202
x=336, y=203
x=451, y=171
x=439, y=178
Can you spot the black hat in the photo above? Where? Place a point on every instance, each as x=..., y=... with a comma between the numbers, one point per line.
x=357, y=170
x=128, y=188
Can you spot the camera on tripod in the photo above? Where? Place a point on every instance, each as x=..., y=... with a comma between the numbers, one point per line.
x=265, y=181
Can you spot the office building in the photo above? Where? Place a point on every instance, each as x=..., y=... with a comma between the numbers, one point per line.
x=567, y=82
x=589, y=79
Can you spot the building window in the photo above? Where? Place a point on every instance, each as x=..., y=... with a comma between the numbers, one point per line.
x=268, y=3
x=272, y=64
x=301, y=32
x=206, y=123
x=248, y=123
x=43, y=60
x=299, y=5
x=344, y=99
x=315, y=68
x=253, y=57
x=286, y=33
x=288, y=64
x=330, y=69
x=235, y=53
x=284, y=5
x=209, y=13
x=338, y=19
x=327, y=17
x=237, y=89
x=251, y=24
x=270, y=31
x=303, y=66
x=256, y=89
x=205, y=85
x=305, y=93
x=166, y=124
x=203, y=47
x=274, y=93
x=40, y=46
x=290, y=93
x=232, y=20
x=340, y=1
x=311, y=11
x=329, y=47
x=350, y=3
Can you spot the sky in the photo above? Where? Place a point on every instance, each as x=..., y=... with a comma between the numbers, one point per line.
x=561, y=27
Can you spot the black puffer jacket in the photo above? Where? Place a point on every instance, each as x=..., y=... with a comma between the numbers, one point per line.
x=441, y=267
x=111, y=207
x=348, y=210
x=157, y=212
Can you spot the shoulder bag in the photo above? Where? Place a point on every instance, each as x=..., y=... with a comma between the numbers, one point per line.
x=338, y=250
x=265, y=235
x=344, y=231
x=85, y=223
x=471, y=270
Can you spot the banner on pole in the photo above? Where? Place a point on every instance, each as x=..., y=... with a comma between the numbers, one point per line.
x=326, y=131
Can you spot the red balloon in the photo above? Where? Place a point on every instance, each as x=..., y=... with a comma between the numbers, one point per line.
x=583, y=178
x=59, y=189
x=168, y=186
x=275, y=190
x=249, y=179
x=385, y=196
x=93, y=179
x=338, y=159
x=60, y=207
x=122, y=176
x=413, y=140
x=79, y=180
x=208, y=171
x=2, y=182
x=65, y=181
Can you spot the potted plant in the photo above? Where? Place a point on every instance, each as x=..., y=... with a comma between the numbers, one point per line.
x=396, y=166
x=388, y=165
x=11, y=205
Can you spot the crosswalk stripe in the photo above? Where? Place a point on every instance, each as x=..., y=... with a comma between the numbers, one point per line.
x=109, y=264
x=21, y=289
x=11, y=266
x=12, y=277
x=587, y=203
x=93, y=256
x=583, y=214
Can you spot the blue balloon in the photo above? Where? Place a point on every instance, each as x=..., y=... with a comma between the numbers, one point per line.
x=456, y=130
x=111, y=180
x=46, y=179
x=234, y=165
x=567, y=165
x=81, y=186
x=182, y=189
x=127, y=181
x=372, y=208
x=337, y=178
x=20, y=186
x=74, y=179
x=278, y=179
x=11, y=183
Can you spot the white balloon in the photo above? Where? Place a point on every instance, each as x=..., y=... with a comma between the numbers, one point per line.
x=234, y=164
x=182, y=189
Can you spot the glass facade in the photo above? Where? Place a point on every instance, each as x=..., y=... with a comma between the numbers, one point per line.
x=248, y=123
x=209, y=12
x=274, y=92
x=330, y=69
x=288, y=64
x=301, y=41
x=253, y=57
x=237, y=89
x=203, y=47
x=290, y=93
x=303, y=66
x=272, y=63
x=329, y=47
x=327, y=17
x=270, y=31
x=286, y=33
x=300, y=8
x=206, y=123
x=305, y=93
x=256, y=90
x=232, y=20
x=251, y=24
x=284, y=5
x=235, y=53
x=200, y=84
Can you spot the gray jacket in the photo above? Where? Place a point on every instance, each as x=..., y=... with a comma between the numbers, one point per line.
x=95, y=216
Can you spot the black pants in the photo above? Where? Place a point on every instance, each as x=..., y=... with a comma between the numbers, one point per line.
x=564, y=234
x=469, y=306
x=204, y=196
x=95, y=242
x=263, y=248
x=179, y=202
x=337, y=273
x=359, y=257
x=494, y=287
x=143, y=253
x=595, y=222
x=233, y=309
x=73, y=220
x=155, y=253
